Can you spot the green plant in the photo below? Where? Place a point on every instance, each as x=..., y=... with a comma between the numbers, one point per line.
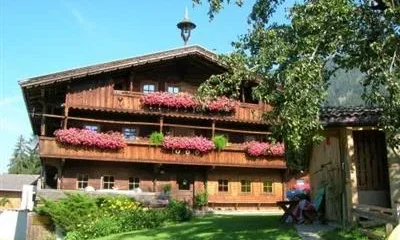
x=179, y=211
x=167, y=188
x=156, y=138
x=201, y=199
x=220, y=142
x=4, y=201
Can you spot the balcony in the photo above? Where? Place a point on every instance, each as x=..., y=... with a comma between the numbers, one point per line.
x=107, y=99
x=135, y=152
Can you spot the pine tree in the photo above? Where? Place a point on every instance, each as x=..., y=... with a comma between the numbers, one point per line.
x=25, y=158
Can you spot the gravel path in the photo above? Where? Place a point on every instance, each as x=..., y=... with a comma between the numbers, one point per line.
x=312, y=231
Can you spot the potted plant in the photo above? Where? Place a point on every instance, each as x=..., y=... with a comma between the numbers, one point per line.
x=220, y=142
x=201, y=200
x=156, y=138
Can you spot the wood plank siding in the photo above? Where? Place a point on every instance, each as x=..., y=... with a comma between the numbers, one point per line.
x=105, y=98
x=143, y=152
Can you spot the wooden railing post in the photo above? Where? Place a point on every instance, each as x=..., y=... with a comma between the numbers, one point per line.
x=398, y=211
x=213, y=129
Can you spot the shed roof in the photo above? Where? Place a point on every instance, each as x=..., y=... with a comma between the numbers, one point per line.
x=350, y=116
x=14, y=182
x=123, y=64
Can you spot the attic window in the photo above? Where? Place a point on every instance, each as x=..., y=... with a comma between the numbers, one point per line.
x=173, y=89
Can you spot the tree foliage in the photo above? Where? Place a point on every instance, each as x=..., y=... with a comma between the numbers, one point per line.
x=291, y=62
x=25, y=158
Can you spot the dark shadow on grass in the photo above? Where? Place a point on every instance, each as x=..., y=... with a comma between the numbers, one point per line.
x=217, y=228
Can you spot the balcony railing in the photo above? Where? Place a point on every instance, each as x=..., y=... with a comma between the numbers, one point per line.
x=136, y=152
x=108, y=99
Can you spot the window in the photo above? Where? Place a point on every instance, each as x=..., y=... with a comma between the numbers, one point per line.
x=245, y=186
x=129, y=133
x=108, y=182
x=222, y=185
x=94, y=128
x=173, y=89
x=134, y=182
x=148, y=88
x=82, y=181
x=267, y=187
x=183, y=184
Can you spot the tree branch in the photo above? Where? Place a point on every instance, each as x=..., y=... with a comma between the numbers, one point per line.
x=393, y=60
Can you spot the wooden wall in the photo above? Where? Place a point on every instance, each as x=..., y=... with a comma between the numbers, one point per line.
x=14, y=199
x=143, y=152
x=235, y=196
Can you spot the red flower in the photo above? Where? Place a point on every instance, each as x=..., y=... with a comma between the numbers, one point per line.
x=258, y=149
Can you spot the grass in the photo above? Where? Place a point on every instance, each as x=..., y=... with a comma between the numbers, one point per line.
x=217, y=227
x=344, y=234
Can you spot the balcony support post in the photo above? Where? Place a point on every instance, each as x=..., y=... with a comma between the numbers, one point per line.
x=161, y=124
x=131, y=80
x=65, y=123
x=213, y=128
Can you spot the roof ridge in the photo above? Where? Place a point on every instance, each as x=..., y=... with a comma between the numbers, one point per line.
x=120, y=63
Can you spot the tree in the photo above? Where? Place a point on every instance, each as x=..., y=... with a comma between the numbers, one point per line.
x=25, y=158
x=292, y=61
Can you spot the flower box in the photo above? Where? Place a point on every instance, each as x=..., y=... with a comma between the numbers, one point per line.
x=90, y=139
x=186, y=101
x=194, y=144
x=259, y=149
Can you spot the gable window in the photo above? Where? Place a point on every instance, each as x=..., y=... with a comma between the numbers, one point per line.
x=148, y=88
x=222, y=185
x=129, y=133
x=245, y=186
x=173, y=89
x=267, y=187
x=134, y=182
x=94, y=128
x=108, y=182
x=82, y=181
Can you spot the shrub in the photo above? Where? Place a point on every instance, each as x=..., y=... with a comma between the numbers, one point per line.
x=91, y=139
x=201, y=199
x=70, y=213
x=179, y=211
x=220, y=142
x=156, y=138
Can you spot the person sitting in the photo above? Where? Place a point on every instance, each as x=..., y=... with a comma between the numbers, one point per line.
x=304, y=210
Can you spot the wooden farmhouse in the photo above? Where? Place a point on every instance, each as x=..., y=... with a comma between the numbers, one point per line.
x=353, y=164
x=109, y=97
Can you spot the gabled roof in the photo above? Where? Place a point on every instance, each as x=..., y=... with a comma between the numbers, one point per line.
x=14, y=182
x=350, y=116
x=123, y=64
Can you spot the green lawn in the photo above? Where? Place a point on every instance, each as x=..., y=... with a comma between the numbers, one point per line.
x=217, y=227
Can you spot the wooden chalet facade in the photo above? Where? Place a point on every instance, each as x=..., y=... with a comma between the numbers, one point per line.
x=106, y=97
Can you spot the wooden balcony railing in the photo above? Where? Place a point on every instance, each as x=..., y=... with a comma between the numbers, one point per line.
x=143, y=152
x=108, y=99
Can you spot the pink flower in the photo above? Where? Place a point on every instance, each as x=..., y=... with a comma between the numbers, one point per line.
x=201, y=144
x=258, y=149
x=90, y=139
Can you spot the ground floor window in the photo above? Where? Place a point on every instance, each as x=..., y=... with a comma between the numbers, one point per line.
x=267, y=187
x=245, y=186
x=134, y=182
x=108, y=182
x=183, y=184
x=222, y=185
x=82, y=181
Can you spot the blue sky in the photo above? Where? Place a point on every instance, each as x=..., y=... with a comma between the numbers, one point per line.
x=40, y=37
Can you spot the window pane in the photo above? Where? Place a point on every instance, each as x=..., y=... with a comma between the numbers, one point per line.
x=267, y=188
x=173, y=89
x=94, y=128
x=129, y=133
x=223, y=185
x=245, y=186
x=148, y=88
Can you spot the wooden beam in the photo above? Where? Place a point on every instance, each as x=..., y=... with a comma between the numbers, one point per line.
x=43, y=121
x=65, y=123
x=242, y=131
x=161, y=124
x=213, y=128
